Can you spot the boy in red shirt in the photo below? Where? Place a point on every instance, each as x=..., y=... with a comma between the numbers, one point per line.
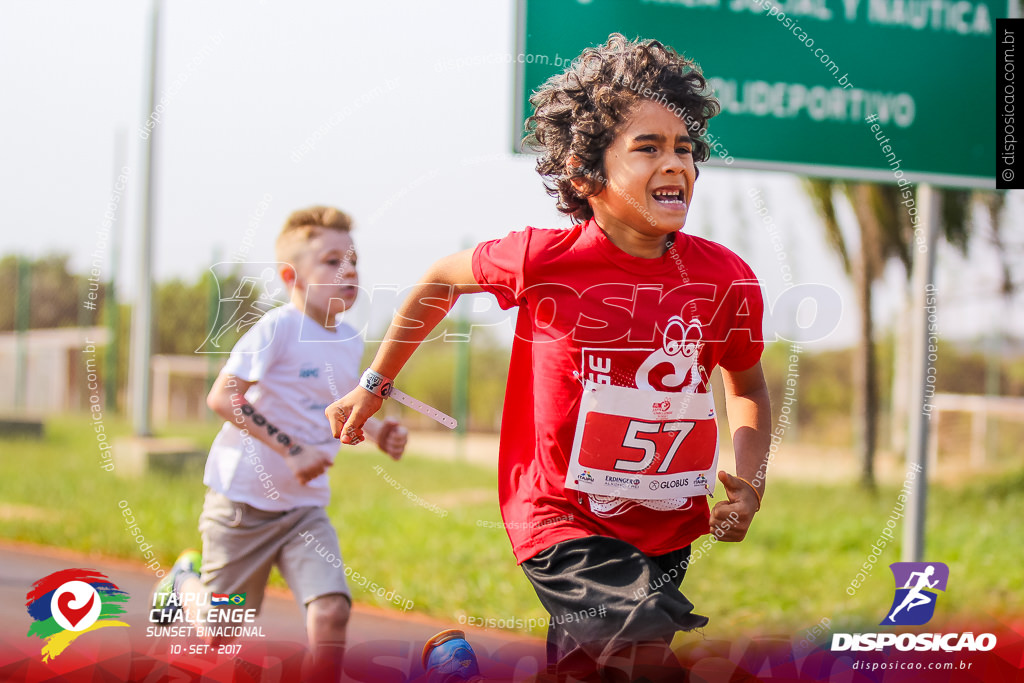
x=608, y=442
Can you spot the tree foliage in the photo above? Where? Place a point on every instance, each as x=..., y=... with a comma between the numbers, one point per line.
x=888, y=222
x=56, y=295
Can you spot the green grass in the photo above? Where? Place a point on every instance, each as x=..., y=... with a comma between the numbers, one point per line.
x=793, y=570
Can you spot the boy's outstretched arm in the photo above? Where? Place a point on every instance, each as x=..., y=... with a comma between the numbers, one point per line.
x=227, y=399
x=425, y=307
x=746, y=402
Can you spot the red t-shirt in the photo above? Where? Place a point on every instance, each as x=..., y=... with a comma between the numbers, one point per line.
x=590, y=311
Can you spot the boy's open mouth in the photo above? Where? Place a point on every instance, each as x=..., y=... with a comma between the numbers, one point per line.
x=670, y=196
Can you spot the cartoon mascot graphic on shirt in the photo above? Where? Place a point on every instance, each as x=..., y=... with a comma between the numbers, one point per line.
x=680, y=348
x=674, y=367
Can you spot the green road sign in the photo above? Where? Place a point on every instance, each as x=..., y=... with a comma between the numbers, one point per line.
x=855, y=89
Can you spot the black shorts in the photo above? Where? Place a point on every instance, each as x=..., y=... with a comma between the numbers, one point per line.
x=604, y=595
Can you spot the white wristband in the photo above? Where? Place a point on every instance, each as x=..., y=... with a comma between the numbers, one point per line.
x=376, y=383
x=379, y=385
x=424, y=409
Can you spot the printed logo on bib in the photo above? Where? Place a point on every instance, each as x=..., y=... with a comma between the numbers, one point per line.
x=643, y=432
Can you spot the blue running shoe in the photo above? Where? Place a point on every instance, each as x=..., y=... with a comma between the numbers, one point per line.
x=187, y=564
x=448, y=658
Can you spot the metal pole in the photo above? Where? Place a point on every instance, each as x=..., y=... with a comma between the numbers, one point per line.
x=142, y=317
x=460, y=399
x=460, y=396
x=212, y=315
x=922, y=286
x=22, y=322
x=111, y=307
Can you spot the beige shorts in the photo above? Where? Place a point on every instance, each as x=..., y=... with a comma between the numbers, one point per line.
x=242, y=543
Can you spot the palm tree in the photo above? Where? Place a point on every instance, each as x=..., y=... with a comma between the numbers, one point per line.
x=886, y=231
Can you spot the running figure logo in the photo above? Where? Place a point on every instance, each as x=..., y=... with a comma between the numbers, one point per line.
x=251, y=299
x=916, y=583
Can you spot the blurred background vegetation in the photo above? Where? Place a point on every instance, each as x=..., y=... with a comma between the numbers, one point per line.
x=461, y=564
x=446, y=550
x=825, y=410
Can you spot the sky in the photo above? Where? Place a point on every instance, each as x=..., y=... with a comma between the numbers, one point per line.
x=399, y=112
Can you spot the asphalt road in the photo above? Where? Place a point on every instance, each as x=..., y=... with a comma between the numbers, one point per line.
x=383, y=645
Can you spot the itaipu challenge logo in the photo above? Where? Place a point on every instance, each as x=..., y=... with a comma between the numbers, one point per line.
x=68, y=603
x=916, y=586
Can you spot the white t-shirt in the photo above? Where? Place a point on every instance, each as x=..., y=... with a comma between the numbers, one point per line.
x=299, y=368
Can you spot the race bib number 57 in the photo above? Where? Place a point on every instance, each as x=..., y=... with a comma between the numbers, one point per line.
x=644, y=444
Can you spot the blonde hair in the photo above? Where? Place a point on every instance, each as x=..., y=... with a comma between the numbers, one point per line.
x=305, y=224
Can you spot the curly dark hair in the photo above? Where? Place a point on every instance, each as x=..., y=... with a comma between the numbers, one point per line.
x=577, y=113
